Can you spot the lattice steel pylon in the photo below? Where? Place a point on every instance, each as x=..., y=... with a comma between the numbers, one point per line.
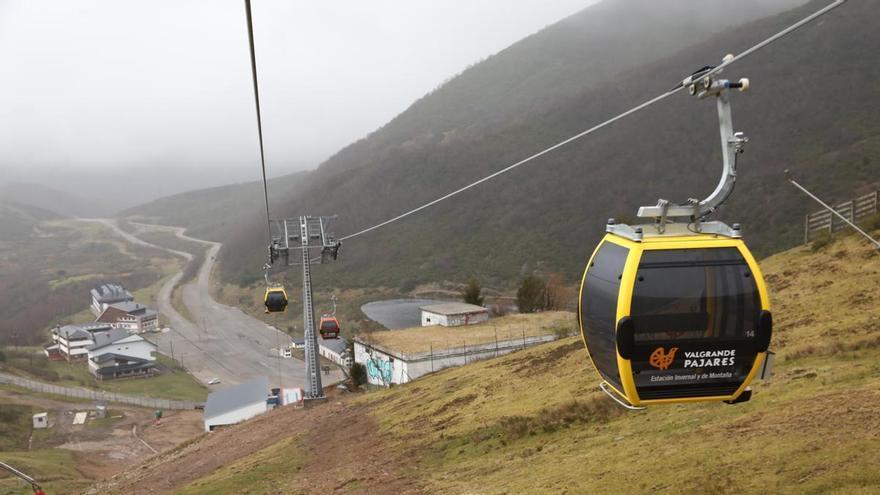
x=306, y=233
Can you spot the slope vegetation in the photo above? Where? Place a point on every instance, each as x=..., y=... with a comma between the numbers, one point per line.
x=49, y=264
x=216, y=212
x=534, y=422
x=61, y=203
x=805, y=112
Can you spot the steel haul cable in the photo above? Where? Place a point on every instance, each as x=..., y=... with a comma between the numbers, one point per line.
x=250, y=26
x=708, y=73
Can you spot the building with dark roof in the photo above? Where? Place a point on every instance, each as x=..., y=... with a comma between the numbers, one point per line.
x=111, y=366
x=71, y=342
x=134, y=317
x=335, y=350
x=237, y=403
x=107, y=294
x=117, y=354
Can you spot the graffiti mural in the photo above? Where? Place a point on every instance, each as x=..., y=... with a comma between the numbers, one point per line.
x=380, y=369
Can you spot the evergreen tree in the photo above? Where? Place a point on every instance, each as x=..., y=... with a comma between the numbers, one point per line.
x=473, y=292
x=531, y=295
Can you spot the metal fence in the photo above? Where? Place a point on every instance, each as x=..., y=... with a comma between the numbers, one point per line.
x=853, y=210
x=97, y=395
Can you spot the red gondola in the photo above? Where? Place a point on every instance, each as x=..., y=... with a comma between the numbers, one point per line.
x=329, y=327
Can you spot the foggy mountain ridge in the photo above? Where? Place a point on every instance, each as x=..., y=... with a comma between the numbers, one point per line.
x=561, y=61
x=549, y=214
x=60, y=202
x=171, y=162
x=135, y=101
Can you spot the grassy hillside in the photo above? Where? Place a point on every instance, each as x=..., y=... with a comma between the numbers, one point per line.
x=18, y=220
x=548, y=215
x=48, y=267
x=61, y=203
x=534, y=422
x=215, y=213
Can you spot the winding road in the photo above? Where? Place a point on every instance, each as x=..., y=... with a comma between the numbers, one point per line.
x=224, y=342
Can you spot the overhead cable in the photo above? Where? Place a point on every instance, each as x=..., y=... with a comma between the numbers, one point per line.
x=693, y=80
x=250, y=26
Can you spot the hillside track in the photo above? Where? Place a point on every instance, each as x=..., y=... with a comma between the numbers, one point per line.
x=223, y=342
x=344, y=454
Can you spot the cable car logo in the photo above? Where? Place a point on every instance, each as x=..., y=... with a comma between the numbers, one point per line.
x=660, y=359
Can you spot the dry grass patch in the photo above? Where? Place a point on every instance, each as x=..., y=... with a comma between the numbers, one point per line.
x=515, y=327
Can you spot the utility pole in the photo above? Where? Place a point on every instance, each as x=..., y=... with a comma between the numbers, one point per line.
x=306, y=233
x=171, y=343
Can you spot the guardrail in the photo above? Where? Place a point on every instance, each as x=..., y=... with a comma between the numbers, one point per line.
x=853, y=210
x=97, y=395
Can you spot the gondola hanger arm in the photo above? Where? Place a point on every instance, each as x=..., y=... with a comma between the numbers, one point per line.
x=703, y=84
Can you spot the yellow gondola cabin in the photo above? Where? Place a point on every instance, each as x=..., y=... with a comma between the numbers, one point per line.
x=674, y=317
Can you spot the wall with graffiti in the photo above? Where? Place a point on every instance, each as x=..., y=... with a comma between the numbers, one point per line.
x=382, y=369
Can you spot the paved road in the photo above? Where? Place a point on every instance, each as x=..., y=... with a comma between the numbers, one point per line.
x=223, y=342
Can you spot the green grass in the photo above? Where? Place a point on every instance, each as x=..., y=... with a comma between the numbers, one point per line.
x=60, y=264
x=534, y=421
x=54, y=469
x=270, y=470
x=177, y=302
x=31, y=393
x=174, y=383
x=15, y=426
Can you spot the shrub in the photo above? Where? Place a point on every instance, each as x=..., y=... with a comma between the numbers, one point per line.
x=822, y=239
x=472, y=293
x=530, y=296
x=407, y=286
x=358, y=374
x=870, y=223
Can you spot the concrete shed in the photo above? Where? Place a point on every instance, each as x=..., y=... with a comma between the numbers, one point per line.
x=41, y=420
x=236, y=404
x=453, y=314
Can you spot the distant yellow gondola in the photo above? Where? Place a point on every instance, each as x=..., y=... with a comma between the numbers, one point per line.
x=275, y=300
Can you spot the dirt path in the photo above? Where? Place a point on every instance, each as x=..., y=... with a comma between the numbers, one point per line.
x=345, y=454
x=106, y=446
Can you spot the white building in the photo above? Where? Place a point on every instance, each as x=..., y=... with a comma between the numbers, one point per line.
x=72, y=341
x=386, y=366
x=106, y=294
x=119, y=341
x=134, y=317
x=453, y=314
x=118, y=354
x=41, y=420
x=236, y=404
x=335, y=350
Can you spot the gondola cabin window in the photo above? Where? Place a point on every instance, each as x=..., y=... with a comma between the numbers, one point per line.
x=694, y=294
x=599, y=308
x=695, y=315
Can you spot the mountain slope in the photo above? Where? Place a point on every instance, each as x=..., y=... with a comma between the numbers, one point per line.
x=62, y=203
x=548, y=215
x=216, y=212
x=534, y=422
x=19, y=220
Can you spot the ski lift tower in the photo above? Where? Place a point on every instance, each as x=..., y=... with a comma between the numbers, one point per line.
x=307, y=234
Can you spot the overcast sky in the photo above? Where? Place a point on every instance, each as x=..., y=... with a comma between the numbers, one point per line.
x=106, y=85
